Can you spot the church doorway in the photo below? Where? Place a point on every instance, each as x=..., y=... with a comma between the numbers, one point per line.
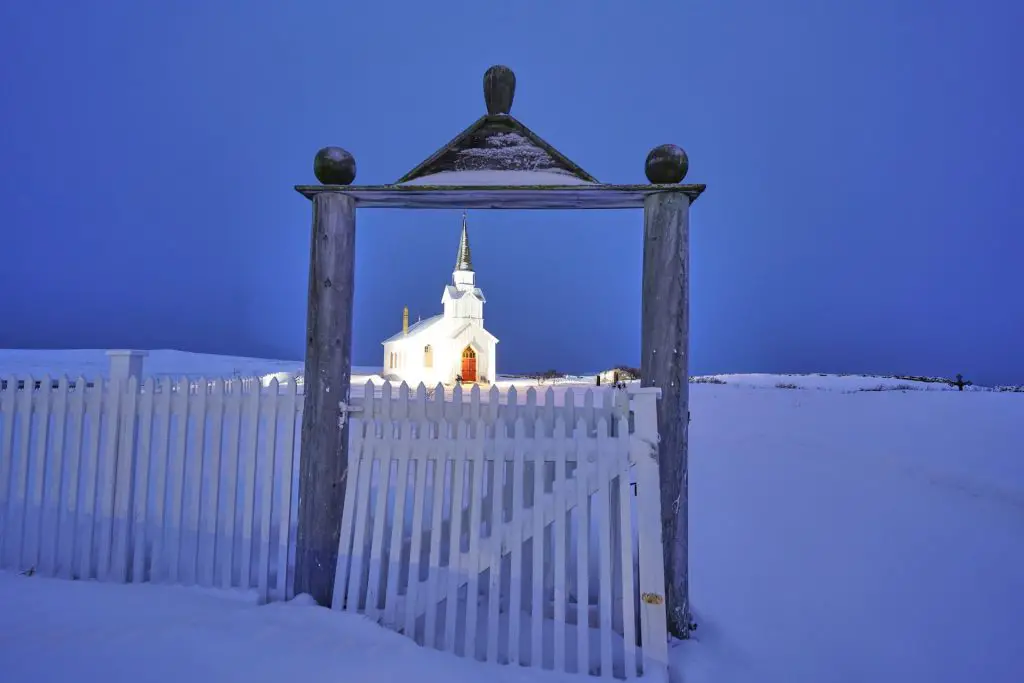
x=468, y=364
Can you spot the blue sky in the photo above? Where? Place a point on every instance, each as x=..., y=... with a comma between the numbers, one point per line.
x=861, y=158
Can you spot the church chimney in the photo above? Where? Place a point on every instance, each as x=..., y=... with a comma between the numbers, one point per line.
x=405, y=320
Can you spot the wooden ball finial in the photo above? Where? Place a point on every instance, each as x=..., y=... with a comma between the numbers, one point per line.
x=334, y=166
x=666, y=164
x=499, y=89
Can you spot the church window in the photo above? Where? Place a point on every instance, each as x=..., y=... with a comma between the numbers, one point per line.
x=428, y=356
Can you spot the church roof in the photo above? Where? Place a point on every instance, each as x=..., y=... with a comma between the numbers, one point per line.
x=420, y=326
x=499, y=142
x=464, y=261
x=456, y=293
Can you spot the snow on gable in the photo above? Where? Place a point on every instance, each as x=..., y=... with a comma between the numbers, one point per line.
x=456, y=293
x=499, y=144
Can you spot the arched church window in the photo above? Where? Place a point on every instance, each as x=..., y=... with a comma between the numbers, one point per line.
x=428, y=356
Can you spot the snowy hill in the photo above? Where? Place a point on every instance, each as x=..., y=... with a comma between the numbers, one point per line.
x=838, y=533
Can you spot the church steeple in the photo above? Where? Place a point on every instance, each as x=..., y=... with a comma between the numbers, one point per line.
x=464, y=260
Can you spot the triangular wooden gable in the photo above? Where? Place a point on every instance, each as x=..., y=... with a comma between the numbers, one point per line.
x=498, y=142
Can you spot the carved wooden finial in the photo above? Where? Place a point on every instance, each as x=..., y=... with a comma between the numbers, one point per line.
x=666, y=164
x=334, y=166
x=499, y=89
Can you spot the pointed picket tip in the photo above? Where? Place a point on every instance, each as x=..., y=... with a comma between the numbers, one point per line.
x=421, y=389
x=439, y=390
x=531, y=397
x=475, y=392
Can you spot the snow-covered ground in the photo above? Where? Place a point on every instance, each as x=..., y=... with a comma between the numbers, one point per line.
x=837, y=534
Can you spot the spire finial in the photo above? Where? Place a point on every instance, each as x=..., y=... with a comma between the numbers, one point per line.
x=464, y=261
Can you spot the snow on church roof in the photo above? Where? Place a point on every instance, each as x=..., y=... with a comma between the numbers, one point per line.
x=420, y=326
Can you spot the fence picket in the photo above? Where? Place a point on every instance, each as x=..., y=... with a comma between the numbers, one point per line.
x=626, y=558
x=561, y=443
x=206, y=532
x=176, y=520
x=91, y=471
x=123, y=483
x=7, y=410
x=267, y=486
x=457, y=456
x=476, y=503
x=352, y=493
x=49, y=513
x=582, y=551
x=232, y=428
x=158, y=567
x=604, y=548
x=394, y=564
x=140, y=523
x=515, y=605
x=115, y=391
x=360, y=562
x=284, y=533
x=67, y=520
x=383, y=458
x=37, y=478
x=420, y=452
x=248, y=456
x=438, y=455
x=494, y=453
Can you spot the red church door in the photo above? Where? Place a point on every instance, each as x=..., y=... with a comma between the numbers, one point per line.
x=468, y=365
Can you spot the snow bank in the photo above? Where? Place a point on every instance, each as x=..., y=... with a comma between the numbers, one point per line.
x=52, y=629
x=869, y=536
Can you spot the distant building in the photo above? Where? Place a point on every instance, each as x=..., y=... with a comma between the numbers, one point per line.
x=450, y=346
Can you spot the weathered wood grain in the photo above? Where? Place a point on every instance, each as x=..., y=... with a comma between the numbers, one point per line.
x=664, y=345
x=324, y=445
x=501, y=197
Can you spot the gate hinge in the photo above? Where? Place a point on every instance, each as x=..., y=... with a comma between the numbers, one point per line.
x=344, y=409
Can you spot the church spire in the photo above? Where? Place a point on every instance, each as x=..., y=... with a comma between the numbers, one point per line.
x=464, y=261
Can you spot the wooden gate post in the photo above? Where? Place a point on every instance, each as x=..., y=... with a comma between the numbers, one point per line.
x=664, y=346
x=323, y=463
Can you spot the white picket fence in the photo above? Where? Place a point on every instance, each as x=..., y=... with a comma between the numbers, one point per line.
x=463, y=530
x=186, y=481
x=195, y=481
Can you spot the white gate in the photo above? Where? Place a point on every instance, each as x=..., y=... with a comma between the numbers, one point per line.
x=462, y=528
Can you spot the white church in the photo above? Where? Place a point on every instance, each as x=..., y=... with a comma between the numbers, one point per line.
x=451, y=347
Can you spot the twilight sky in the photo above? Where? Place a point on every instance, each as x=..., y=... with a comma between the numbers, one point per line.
x=861, y=159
